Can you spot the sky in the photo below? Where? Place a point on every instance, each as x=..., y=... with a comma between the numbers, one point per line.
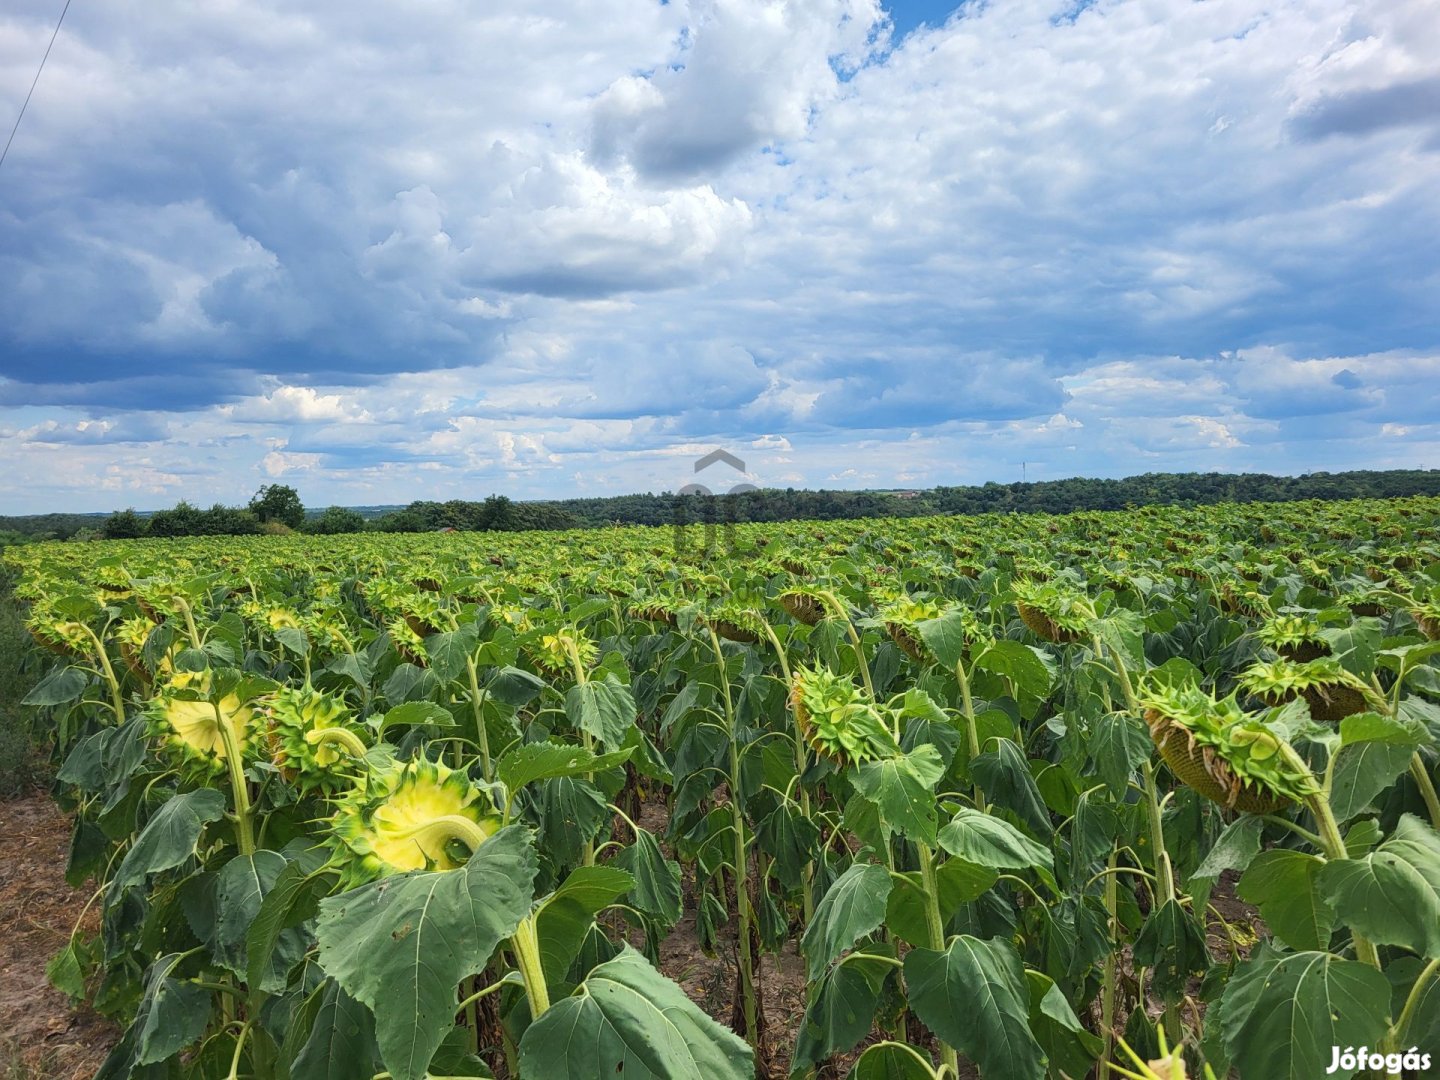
x=431, y=250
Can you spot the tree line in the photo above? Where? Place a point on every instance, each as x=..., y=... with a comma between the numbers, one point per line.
x=278, y=508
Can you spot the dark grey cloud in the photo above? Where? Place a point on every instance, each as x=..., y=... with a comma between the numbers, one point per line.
x=886, y=395
x=1364, y=112
x=98, y=431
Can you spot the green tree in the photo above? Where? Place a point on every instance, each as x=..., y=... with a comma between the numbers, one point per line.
x=337, y=519
x=497, y=513
x=123, y=525
x=407, y=520
x=278, y=502
x=222, y=520
x=180, y=520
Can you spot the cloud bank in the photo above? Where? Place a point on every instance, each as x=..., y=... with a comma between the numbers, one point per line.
x=395, y=251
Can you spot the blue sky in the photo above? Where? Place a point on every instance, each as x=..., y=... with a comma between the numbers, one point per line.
x=395, y=251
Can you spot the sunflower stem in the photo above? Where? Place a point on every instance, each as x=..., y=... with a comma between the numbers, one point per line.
x=935, y=926
x=234, y=1072
x=1331, y=842
x=117, y=700
x=1401, y=1031
x=1164, y=873
x=244, y=828
x=498, y=984
x=1107, y=984
x=972, y=731
x=352, y=743
x=447, y=827
x=477, y=707
x=526, y=946
x=1427, y=788
x=807, y=872
x=742, y=886
x=856, y=646
x=587, y=857
x=195, y=640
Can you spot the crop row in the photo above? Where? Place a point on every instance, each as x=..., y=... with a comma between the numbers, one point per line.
x=411, y=806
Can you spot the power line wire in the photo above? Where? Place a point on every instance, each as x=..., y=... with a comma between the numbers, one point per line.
x=4, y=153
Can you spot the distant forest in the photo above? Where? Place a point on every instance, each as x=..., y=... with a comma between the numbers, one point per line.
x=277, y=508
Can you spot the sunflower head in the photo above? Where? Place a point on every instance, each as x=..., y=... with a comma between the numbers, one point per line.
x=1223, y=753
x=326, y=626
x=409, y=644
x=901, y=617
x=657, y=609
x=793, y=562
x=1364, y=602
x=735, y=623
x=412, y=815
x=59, y=634
x=193, y=727
x=1427, y=618
x=1052, y=612
x=556, y=653
x=1241, y=598
x=838, y=720
x=1295, y=637
x=131, y=635
x=804, y=605
x=1331, y=692
x=312, y=738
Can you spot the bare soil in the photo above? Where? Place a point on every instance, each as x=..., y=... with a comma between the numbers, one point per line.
x=42, y=1035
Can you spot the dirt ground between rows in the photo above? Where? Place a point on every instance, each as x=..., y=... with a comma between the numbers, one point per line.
x=41, y=1036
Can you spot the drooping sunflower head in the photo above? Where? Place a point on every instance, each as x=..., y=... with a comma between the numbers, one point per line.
x=794, y=562
x=1241, y=598
x=424, y=611
x=409, y=644
x=131, y=635
x=838, y=719
x=312, y=738
x=112, y=578
x=195, y=728
x=557, y=653
x=804, y=605
x=1295, y=637
x=1222, y=752
x=327, y=626
x=1365, y=602
x=901, y=618
x=412, y=815
x=57, y=633
x=734, y=622
x=657, y=609
x=1331, y=692
x=384, y=597
x=1051, y=611
x=1427, y=618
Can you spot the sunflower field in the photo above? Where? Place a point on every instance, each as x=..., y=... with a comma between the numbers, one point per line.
x=1147, y=794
